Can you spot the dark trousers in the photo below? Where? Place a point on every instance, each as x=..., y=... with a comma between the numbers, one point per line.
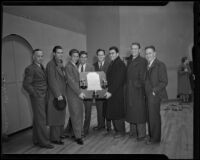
x=100, y=117
x=40, y=133
x=88, y=109
x=56, y=132
x=154, y=118
x=138, y=129
x=119, y=125
x=69, y=130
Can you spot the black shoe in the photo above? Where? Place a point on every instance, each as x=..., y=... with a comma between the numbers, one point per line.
x=48, y=146
x=139, y=139
x=79, y=141
x=64, y=136
x=149, y=142
x=98, y=128
x=58, y=142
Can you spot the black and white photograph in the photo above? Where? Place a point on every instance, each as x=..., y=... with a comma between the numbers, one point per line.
x=99, y=79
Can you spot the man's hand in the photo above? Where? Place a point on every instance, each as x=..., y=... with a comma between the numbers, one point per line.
x=60, y=98
x=153, y=93
x=186, y=70
x=82, y=95
x=107, y=95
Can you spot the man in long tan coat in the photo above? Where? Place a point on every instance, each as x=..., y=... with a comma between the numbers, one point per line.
x=57, y=89
x=75, y=96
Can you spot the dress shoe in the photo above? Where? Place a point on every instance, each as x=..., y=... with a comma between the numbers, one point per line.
x=58, y=142
x=108, y=132
x=98, y=128
x=139, y=139
x=117, y=135
x=79, y=141
x=149, y=142
x=48, y=146
x=64, y=136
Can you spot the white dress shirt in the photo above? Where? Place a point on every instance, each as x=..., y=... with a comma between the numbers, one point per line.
x=101, y=64
x=79, y=68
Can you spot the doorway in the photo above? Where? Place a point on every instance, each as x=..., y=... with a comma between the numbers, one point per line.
x=16, y=56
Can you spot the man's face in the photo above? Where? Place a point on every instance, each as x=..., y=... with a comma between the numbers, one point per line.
x=38, y=57
x=150, y=54
x=113, y=54
x=59, y=54
x=75, y=57
x=83, y=59
x=135, y=50
x=101, y=56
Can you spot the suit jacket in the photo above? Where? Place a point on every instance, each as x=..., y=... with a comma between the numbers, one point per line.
x=56, y=87
x=104, y=67
x=35, y=81
x=88, y=67
x=156, y=79
x=116, y=74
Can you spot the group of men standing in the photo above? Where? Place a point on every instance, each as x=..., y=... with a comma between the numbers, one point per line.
x=134, y=95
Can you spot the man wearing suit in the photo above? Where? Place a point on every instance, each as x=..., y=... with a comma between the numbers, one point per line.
x=85, y=67
x=35, y=83
x=136, y=108
x=75, y=97
x=56, y=89
x=115, y=108
x=155, y=87
x=100, y=65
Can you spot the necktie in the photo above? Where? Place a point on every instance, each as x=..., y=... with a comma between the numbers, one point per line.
x=81, y=68
x=100, y=66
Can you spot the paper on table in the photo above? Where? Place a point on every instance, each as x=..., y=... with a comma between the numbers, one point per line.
x=93, y=81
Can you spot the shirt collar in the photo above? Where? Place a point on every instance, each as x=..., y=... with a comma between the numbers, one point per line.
x=151, y=62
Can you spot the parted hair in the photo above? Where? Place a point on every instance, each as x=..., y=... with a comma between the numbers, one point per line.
x=98, y=50
x=114, y=48
x=83, y=52
x=151, y=47
x=73, y=51
x=55, y=48
x=136, y=43
x=36, y=50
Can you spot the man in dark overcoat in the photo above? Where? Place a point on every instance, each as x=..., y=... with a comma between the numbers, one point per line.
x=56, y=89
x=114, y=107
x=35, y=83
x=101, y=65
x=135, y=99
x=156, y=81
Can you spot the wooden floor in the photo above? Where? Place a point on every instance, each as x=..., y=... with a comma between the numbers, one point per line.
x=177, y=139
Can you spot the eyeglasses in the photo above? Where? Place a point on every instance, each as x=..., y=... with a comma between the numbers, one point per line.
x=112, y=53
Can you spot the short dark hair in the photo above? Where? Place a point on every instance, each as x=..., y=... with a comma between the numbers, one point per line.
x=114, y=48
x=72, y=51
x=83, y=52
x=56, y=48
x=36, y=50
x=98, y=50
x=136, y=43
x=183, y=59
x=151, y=47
